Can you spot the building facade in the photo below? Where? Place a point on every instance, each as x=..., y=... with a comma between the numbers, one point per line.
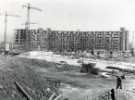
x=73, y=40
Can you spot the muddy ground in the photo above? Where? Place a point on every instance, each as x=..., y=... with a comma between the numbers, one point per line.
x=14, y=70
x=33, y=76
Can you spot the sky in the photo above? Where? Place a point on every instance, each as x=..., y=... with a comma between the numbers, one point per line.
x=70, y=15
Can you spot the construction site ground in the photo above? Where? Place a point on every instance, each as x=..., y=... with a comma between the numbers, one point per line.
x=32, y=75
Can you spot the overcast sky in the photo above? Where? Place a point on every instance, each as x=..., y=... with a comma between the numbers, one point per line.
x=71, y=14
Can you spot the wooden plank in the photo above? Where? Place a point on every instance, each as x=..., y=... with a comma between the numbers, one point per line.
x=20, y=88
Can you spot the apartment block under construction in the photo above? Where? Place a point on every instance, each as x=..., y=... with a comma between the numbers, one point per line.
x=58, y=40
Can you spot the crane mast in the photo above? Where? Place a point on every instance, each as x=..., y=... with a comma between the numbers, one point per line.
x=5, y=30
x=5, y=27
x=27, y=24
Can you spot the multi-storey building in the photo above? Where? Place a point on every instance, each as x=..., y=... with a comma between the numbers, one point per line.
x=73, y=40
x=20, y=38
x=32, y=39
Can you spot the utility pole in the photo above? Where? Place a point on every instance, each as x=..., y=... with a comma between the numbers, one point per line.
x=27, y=24
x=5, y=27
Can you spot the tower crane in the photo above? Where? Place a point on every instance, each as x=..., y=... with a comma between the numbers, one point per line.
x=29, y=7
x=27, y=24
x=5, y=27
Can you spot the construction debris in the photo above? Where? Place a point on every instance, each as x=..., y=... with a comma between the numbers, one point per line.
x=20, y=88
x=19, y=82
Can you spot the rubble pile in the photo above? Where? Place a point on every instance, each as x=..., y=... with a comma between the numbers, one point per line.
x=22, y=83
